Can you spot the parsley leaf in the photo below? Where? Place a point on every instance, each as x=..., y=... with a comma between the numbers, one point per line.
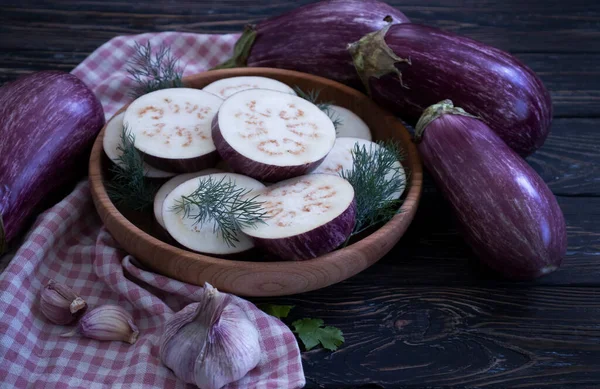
x=312, y=332
x=279, y=311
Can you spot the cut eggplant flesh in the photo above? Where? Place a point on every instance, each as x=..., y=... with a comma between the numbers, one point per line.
x=272, y=136
x=172, y=128
x=204, y=237
x=341, y=159
x=173, y=183
x=229, y=86
x=308, y=216
x=112, y=141
x=350, y=124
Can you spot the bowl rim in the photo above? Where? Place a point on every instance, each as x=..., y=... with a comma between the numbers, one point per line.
x=407, y=209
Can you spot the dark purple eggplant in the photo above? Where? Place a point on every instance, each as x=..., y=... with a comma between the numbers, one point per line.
x=314, y=38
x=48, y=122
x=506, y=212
x=408, y=67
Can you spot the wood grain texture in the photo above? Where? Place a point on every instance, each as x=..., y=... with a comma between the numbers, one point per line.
x=518, y=26
x=547, y=36
x=432, y=251
x=249, y=278
x=425, y=337
x=569, y=161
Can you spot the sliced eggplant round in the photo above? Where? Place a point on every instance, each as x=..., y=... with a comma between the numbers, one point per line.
x=203, y=237
x=172, y=128
x=272, y=136
x=173, y=183
x=341, y=159
x=350, y=124
x=112, y=141
x=229, y=86
x=308, y=216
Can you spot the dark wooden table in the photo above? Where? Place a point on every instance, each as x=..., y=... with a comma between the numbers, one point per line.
x=426, y=315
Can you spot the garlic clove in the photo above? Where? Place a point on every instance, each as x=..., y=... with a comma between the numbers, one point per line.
x=107, y=322
x=210, y=343
x=60, y=304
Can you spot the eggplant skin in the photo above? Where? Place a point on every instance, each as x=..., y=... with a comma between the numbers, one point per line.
x=314, y=38
x=313, y=243
x=48, y=122
x=484, y=81
x=257, y=170
x=506, y=212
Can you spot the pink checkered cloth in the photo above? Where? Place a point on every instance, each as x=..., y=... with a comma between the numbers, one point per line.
x=69, y=244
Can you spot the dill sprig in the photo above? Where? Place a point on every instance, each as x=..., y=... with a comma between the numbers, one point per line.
x=376, y=177
x=313, y=97
x=224, y=204
x=152, y=72
x=128, y=186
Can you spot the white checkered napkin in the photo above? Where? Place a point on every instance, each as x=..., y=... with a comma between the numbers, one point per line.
x=69, y=244
x=105, y=70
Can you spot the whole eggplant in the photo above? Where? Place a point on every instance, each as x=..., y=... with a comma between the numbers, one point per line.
x=314, y=38
x=48, y=121
x=408, y=67
x=506, y=212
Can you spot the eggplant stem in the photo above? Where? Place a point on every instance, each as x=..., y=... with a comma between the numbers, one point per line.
x=433, y=112
x=2, y=236
x=241, y=50
x=372, y=57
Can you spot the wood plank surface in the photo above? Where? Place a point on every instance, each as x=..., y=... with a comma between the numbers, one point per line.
x=433, y=253
x=569, y=161
x=514, y=25
x=417, y=337
x=60, y=34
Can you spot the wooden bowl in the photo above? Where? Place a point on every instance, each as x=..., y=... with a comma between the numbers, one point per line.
x=251, y=278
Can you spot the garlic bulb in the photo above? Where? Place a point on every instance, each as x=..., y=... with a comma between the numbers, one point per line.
x=60, y=304
x=210, y=343
x=107, y=322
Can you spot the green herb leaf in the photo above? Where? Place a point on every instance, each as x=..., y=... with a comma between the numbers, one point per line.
x=376, y=176
x=152, y=72
x=128, y=186
x=313, y=97
x=312, y=332
x=225, y=205
x=279, y=311
x=241, y=50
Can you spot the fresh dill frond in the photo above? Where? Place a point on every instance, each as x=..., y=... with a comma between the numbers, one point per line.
x=376, y=177
x=225, y=205
x=152, y=72
x=313, y=97
x=128, y=186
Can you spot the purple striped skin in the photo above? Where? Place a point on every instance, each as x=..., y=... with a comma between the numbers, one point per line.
x=48, y=122
x=185, y=165
x=257, y=170
x=483, y=80
x=313, y=38
x=506, y=212
x=313, y=243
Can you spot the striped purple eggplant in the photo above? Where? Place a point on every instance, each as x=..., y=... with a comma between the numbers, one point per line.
x=48, y=122
x=408, y=67
x=314, y=38
x=506, y=212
